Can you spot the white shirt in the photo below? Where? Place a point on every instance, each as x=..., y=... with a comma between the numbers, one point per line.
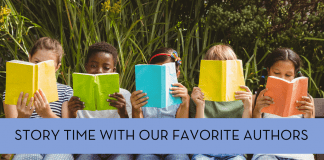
x=108, y=113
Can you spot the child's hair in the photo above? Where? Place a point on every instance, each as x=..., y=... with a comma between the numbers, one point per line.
x=162, y=58
x=102, y=47
x=220, y=52
x=280, y=54
x=48, y=44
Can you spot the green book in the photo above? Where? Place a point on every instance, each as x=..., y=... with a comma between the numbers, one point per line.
x=94, y=89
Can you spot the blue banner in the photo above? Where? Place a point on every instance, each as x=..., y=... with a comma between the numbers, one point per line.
x=142, y=136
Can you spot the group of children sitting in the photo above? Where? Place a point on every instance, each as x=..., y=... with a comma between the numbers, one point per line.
x=102, y=58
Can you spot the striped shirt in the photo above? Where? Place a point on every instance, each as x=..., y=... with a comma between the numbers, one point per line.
x=64, y=94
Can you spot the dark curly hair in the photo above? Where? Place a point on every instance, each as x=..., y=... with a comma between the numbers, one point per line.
x=102, y=47
x=48, y=44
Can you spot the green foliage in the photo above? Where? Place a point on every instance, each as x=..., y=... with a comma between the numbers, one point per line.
x=273, y=24
x=138, y=27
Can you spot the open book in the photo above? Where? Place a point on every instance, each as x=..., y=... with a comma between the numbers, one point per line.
x=29, y=77
x=156, y=80
x=219, y=79
x=94, y=89
x=285, y=94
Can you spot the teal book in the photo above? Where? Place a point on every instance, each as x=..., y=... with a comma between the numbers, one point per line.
x=94, y=89
x=156, y=80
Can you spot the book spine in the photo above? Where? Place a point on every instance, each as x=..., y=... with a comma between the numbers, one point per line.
x=35, y=77
x=164, y=87
x=289, y=104
x=224, y=81
x=96, y=91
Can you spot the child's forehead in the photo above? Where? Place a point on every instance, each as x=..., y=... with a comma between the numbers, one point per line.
x=101, y=57
x=44, y=55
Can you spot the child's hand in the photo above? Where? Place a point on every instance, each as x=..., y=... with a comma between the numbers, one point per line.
x=42, y=106
x=23, y=110
x=307, y=107
x=138, y=100
x=74, y=105
x=245, y=96
x=263, y=101
x=180, y=91
x=198, y=97
x=120, y=104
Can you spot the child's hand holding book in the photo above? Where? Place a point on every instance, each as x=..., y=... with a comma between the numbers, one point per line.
x=120, y=104
x=42, y=106
x=23, y=110
x=306, y=107
x=74, y=105
x=245, y=96
x=198, y=98
x=262, y=101
x=138, y=101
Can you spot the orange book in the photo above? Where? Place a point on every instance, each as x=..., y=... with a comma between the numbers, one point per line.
x=285, y=94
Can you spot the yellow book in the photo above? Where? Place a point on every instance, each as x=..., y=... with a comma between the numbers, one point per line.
x=28, y=78
x=219, y=79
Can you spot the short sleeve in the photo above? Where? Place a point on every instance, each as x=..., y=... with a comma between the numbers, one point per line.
x=126, y=94
x=192, y=109
x=4, y=96
x=68, y=93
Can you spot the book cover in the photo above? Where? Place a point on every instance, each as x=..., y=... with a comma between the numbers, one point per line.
x=28, y=78
x=285, y=94
x=156, y=80
x=220, y=79
x=94, y=89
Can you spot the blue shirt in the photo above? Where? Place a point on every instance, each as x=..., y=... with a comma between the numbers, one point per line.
x=167, y=112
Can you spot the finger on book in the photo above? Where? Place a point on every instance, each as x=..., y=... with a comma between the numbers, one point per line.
x=308, y=99
x=20, y=98
x=73, y=98
x=135, y=93
x=304, y=102
x=117, y=95
x=141, y=95
x=121, y=99
x=24, y=102
x=42, y=95
x=177, y=84
x=142, y=100
x=246, y=88
x=262, y=92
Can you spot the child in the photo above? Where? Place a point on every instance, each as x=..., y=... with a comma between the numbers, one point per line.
x=283, y=63
x=232, y=109
x=102, y=58
x=44, y=49
x=160, y=57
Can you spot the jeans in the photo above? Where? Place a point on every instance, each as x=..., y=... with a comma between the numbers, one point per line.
x=43, y=156
x=162, y=157
x=104, y=156
x=218, y=157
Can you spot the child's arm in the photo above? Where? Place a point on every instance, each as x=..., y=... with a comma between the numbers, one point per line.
x=120, y=104
x=181, y=91
x=246, y=98
x=307, y=107
x=65, y=110
x=74, y=105
x=42, y=106
x=20, y=110
x=261, y=102
x=138, y=101
x=198, y=97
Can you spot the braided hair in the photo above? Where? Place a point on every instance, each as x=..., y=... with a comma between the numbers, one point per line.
x=280, y=54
